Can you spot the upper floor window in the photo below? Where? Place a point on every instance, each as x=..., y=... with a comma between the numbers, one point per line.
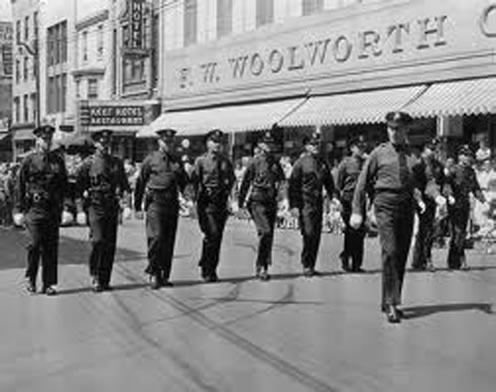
x=17, y=109
x=26, y=29
x=312, y=6
x=35, y=22
x=224, y=17
x=85, y=45
x=25, y=106
x=18, y=71
x=92, y=89
x=57, y=43
x=264, y=12
x=26, y=68
x=18, y=31
x=100, y=41
x=190, y=22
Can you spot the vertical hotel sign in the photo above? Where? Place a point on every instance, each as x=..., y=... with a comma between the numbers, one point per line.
x=136, y=9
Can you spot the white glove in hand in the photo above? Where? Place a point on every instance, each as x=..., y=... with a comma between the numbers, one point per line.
x=18, y=219
x=440, y=201
x=356, y=221
x=81, y=218
x=451, y=200
x=421, y=206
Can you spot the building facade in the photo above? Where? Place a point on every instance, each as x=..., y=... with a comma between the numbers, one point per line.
x=6, y=39
x=332, y=64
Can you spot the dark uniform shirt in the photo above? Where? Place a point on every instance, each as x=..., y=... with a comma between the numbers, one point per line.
x=264, y=174
x=389, y=168
x=463, y=181
x=309, y=176
x=41, y=183
x=161, y=173
x=348, y=171
x=103, y=176
x=213, y=178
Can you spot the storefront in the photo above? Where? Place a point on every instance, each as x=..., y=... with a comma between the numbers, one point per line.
x=340, y=71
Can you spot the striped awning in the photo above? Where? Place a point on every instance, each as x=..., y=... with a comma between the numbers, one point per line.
x=367, y=107
x=233, y=118
x=476, y=96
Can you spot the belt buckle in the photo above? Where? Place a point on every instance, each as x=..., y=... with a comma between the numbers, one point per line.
x=36, y=197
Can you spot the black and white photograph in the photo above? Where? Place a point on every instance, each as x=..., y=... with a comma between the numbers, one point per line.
x=248, y=195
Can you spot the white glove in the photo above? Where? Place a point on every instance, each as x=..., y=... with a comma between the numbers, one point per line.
x=356, y=221
x=421, y=206
x=126, y=213
x=440, y=201
x=451, y=200
x=81, y=218
x=18, y=219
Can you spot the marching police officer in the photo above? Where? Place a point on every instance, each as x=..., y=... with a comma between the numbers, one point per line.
x=41, y=187
x=348, y=172
x=391, y=175
x=161, y=178
x=462, y=181
x=432, y=196
x=101, y=183
x=263, y=176
x=310, y=175
x=213, y=178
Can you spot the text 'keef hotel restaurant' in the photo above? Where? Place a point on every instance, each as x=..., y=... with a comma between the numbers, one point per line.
x=339, y=71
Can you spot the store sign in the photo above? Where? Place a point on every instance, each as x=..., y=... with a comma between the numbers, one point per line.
x=136, y=9
x=355, y=47
x=112, y=116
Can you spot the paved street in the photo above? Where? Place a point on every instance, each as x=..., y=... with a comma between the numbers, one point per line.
x=289, y=334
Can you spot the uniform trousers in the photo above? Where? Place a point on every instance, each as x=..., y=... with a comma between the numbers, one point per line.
x=103, y=233
x=458, y=221
x=422, y=251
x=161, y=227
x=394, y=214
x=264, y=216
x=43, y=244
x=353, y=239
x=310, y=221
x=212, y=219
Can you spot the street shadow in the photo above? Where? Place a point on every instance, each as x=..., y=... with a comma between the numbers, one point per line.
x=424, y=311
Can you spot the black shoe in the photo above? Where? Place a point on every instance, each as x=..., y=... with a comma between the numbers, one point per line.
x=167, y=283
x=30, y=286
x=307, y=272
x=155, y=282
x=107, y=287
x=50, y=291
x=392, y=314
x=345, y=266
x=264, y=275
x=357, y=270
x=212, y=278
x=430, y=267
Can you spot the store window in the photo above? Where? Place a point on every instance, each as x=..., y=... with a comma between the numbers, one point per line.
x=17, y=109
x=100, y=42
x=33, y=106
x=224, y=17
x=25, y=107
x=25, y=68
x=190, y=22
x=92, y=89
x=312, y=6
x=264, y=12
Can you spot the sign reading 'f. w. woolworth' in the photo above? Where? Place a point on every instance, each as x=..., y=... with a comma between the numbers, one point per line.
x=364, y=46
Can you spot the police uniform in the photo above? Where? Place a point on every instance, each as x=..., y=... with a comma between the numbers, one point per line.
x=390, y=175
x=161, y=178
x=309, y=176
x=101, y=182
x=213, y=178
x=261, y=180
x=348, y=171
x=462, y=181
x=431, y=188
x=40, y=191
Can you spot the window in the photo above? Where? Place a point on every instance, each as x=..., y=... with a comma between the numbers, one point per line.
x=26, y=29
x=63, y=42
x=35, y=23
x=25, y=108
x=134, y=70
x=224, y=17
x=7, y=59
x=265, y=12
x=33, y=106
x=85, y=45
x=18, y=31
x=78, y=88
x=100, y=42
x=57, y=44
x=18, y=71
x=50, y=47
x=51, y=95
x=312, y=6
x=190, y=22
x=63, y=92
x=17, y=109
x=56, y=37
x=92, y=88
x=26, y=67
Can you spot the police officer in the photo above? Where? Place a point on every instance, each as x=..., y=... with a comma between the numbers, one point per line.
x=348, y=172
x=263, y=176
x=213, y=178
x=432, y=196
x=310, y=175
x=161, y=178
x=462, y=181
x=101, y=183
x=40, y=191
x=391, y=175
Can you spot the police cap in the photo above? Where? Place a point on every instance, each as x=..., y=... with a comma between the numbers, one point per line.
x=166, y=132
x=102, y=134
x=358, y=140
x=465, y=150
x=397, y=119
x=44, y=130
x=266, y=137
x=215, y=134
x=431, y=144
x=314, y=138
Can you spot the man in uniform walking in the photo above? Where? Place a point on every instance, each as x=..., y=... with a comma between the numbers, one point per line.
x=462, y=181
x=348, y=172
x=101, y=183
x=432, y=197
x=261, y=180
x=40, y=191
x=161, y=178
x=391, y=175
x=213, y=178
x=309, y=177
